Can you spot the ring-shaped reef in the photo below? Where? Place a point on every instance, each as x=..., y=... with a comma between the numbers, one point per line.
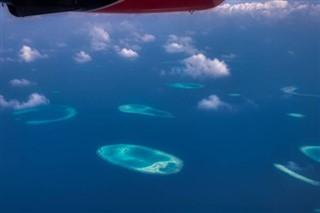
x=186, y=85
x=144, y=110
x=296, y=175
x=45, y=114
x=296, y=115
x=312, y=152
x=140, y=159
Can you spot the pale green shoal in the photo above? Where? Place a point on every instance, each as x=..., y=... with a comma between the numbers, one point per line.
x=296, y=115
x=186, y=85
x=234, y=94
x=144, y=110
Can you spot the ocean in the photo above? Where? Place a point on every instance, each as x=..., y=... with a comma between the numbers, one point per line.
x=228, y=153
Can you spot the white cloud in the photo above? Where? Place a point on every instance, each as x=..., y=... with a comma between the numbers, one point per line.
x=254, y=6
x=27, y=40
x=213, y=102
x=173, y=47
x=274, y=8
x=199, y=66
x=100, y=39
x=82, y=57
x=128, y=44
x=148, y=38
x=176, y=44
x=34, y=100
x=127, y=26
x=61, y=44
x=28, y=54
x=132, y=41
x=128, y=53
x=20, y=82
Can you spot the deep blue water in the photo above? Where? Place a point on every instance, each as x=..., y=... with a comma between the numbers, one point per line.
x=228, y=155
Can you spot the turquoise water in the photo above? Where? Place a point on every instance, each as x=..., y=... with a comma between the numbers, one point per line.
x=141, y=159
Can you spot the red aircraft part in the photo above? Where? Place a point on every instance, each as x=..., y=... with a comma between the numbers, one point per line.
x=22, y=8
x=152, y=6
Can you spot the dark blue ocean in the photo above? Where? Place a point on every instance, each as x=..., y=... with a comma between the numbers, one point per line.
x=228, y=154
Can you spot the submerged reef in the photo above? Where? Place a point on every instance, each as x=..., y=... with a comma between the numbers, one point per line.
x=296, y=115
x=289, y=90
x=144, y=110
x=186, y=85
x=296, y=175
x=312, y=152
x=140, y=159
x=234, y=94
x=292, y=91
x=26, y=110
x=45, y=114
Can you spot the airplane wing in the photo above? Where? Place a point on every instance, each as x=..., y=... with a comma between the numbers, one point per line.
x=22, y=8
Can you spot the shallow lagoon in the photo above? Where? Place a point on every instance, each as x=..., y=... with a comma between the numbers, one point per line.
x=312, y=152
x=140, y=159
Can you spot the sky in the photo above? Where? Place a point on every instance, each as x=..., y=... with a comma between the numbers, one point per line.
x=84, y=37
x=243, y=52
